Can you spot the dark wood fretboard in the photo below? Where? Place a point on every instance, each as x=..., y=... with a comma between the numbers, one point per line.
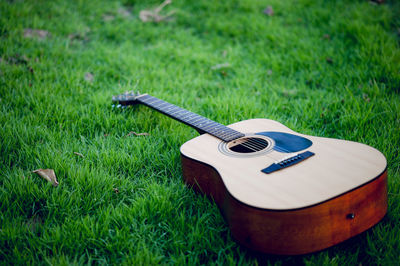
x=196, y=121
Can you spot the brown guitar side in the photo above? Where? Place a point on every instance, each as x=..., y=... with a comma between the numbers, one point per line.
x=292, y=232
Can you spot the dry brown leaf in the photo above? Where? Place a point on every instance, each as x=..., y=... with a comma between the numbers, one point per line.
x=89, y=76
x=35, y=33
x=108, y=17
x=153, y=15
x=137, y=134
x=47, y=174
x=79, y=154
x=125, y=12
x=146, y=15
x=268, y=11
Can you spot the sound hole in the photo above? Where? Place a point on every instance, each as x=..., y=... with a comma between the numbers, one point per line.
x=248, y=145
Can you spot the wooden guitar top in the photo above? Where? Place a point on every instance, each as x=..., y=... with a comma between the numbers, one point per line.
x=337, y=167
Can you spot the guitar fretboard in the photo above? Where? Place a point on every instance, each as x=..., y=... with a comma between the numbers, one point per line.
x=199, y=122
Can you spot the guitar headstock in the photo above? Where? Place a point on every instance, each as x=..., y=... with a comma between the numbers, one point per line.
x=127, y=98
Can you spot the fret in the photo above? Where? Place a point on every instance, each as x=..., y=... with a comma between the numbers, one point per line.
x=153, y=101
x=205, y=124
x=180, y=114
x=210, y=126
x=197, y=121
x=162, y=105
x=190, y=117
x=214, y=126
x=194, y=120
x=172, y=108
x=222, y=130
x=173, y=112
x=213, y=129
x=159, y=106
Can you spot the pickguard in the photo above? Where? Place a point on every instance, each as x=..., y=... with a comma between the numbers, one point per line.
x=287, y=143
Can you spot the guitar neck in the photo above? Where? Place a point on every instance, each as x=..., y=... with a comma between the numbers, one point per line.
x=196, y=121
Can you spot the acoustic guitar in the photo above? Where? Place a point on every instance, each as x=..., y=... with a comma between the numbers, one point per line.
x=281, y=192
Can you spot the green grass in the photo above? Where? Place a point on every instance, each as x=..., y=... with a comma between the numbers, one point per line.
x=324, y=68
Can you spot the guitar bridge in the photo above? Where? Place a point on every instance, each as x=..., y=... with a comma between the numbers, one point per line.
x=287, y=162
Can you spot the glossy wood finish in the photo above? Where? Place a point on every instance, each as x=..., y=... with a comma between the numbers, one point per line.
x=338, y=166
x=292, y=232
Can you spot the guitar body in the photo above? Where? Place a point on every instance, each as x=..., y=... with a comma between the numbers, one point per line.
x=276, y=201
x=281, y=192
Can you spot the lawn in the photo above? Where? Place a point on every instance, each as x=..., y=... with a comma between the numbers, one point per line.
x=323, y=68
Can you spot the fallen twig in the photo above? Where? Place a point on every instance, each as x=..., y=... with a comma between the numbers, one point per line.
x=149, y=15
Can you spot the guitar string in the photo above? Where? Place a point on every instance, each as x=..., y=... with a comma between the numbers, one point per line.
x=259, y=142
x=255, y=150
x=280, y=148
x=252, y=144
x=157, y=104
x=276, y=160
x=154, y=103
x=256, y=147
